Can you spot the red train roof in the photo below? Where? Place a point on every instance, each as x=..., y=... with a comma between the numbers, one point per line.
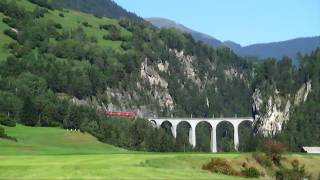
x=120, y=113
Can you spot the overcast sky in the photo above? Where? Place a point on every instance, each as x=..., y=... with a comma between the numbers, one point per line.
x=243, y=21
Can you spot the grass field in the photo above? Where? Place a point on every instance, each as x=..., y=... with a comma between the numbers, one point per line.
x=74, y=19
x=52, y=153
x=52, y=141
x=109, y=166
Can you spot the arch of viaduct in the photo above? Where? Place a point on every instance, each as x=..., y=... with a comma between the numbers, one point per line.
x=193, y=122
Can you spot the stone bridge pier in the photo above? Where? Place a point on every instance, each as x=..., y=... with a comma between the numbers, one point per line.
x=193, y=122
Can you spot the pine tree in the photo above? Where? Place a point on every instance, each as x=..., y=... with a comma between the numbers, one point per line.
x=29, y=112
x=73, y=118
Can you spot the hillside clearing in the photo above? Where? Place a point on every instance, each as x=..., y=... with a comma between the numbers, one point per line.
x=41, y=141
x=71, y=21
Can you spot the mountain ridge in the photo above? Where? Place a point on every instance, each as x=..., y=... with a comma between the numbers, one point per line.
x=276, y=49
x=167, y=23
x=105, y=8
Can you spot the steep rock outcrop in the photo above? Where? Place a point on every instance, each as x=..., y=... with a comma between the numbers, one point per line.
x=159, y=86
x=271, y=111
x=166, y=86
x=187, y=66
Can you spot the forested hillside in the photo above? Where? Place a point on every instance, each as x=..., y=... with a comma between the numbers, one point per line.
x=61, y=67
x=303, y=126
x=57, y=59
x=286, y=100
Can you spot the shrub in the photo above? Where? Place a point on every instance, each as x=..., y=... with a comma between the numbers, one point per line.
x=10, y=22
x=61, y=15
x=262, y=159
x=58, y=26
x=124, y=22
x=93, y=39
x=86, y=24
x=126, y=45
x=112, y=37
x=108, y=26
x=39, y=12
x=5, y=136
x=218, y=165
x=11, y=33
x=6, y=20
x=8, y=122
x=105, y=37
x=274, y=150
x=2, y=132
x=251, y=172
x=296, y=173
x=97, y=16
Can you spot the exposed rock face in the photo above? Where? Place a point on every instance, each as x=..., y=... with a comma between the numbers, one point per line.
x=163, y=67
x=149, y=74
x=151, y=87
x=159, y=86
x=189, y=70
x=302, y=94
x=233, y=73
x=272, y=111
x=149, y=94
x=118, y=100
x=92, y=102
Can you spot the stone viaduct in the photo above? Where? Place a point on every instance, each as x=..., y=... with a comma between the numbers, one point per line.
x=193, y=122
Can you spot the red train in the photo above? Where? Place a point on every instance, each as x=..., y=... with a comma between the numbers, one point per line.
x=121, y=114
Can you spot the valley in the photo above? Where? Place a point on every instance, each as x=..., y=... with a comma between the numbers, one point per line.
x=89, y=90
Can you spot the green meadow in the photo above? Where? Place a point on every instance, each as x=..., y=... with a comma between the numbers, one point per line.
x=53, y=153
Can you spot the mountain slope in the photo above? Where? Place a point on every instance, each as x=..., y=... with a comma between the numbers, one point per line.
x=166, y=23
x=279, y=49
x=105, y=8
x=274, y=49
x=126, y=65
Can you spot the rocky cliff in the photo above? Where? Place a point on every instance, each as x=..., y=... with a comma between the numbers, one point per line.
x=179, y=85
x=272, y=111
